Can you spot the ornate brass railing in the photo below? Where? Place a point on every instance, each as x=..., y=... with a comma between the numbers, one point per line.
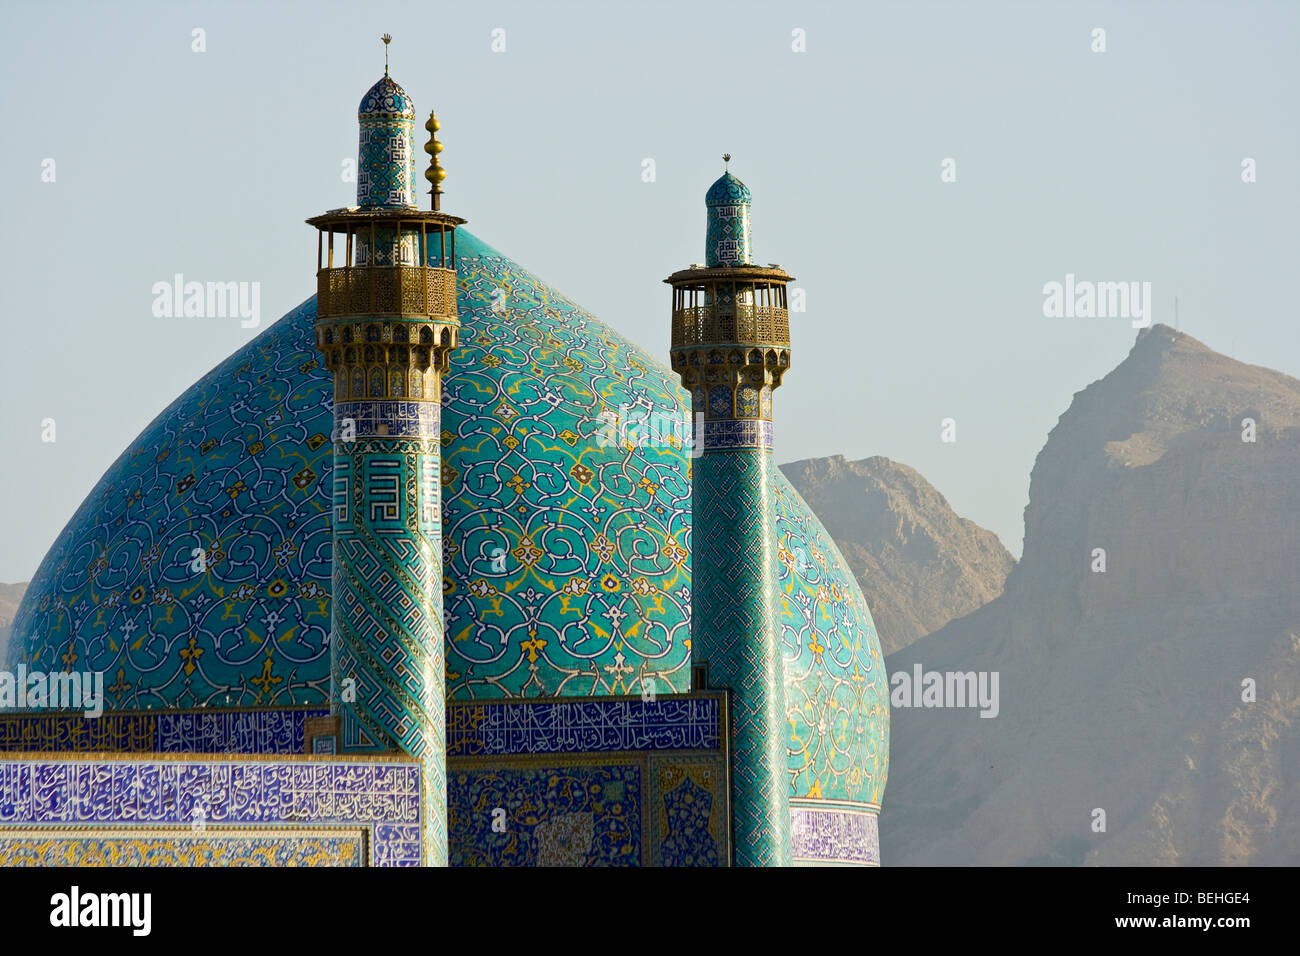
x=744, y=324
x=365, y=291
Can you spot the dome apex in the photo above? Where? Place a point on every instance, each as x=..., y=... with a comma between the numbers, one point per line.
x=386, y=98
x=727, y=190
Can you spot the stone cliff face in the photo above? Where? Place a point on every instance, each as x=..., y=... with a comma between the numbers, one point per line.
x=918, y=563
x=1123, y=690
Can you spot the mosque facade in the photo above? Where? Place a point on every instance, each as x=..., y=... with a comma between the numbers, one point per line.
x=419, y=577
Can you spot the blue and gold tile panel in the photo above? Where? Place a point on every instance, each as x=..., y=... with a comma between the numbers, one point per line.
x=584, y=726
x=647, y=809
x=689, y=825
x=174, y=846
x=99, y=796
x=270, y=731
x=563, y=814
x=388, y=418
x=741, y=433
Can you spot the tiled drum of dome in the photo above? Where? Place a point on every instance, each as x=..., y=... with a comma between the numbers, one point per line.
x=836, y=691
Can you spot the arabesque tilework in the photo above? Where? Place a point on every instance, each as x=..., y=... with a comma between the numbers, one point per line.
x=566, y=562
x=567, y=567
x=836, y=688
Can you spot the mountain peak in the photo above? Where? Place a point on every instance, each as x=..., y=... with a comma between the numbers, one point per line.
x=919, y=564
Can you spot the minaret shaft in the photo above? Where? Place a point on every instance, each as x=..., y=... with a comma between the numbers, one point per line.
x=731, y=347
x=734, y=632
x=386, y=329
x=386, y=326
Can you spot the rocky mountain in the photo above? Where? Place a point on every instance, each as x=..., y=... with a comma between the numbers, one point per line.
x=1147, y=643
x=919, y=564
x=10, y=596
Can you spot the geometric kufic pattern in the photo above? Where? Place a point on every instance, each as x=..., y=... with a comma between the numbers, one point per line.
x=387, y=658
x=97, y=797
x=736, y=634
x=727, y=234
x=386, y=154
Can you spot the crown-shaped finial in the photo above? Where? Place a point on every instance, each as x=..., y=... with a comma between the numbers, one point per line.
x=387, y=38
x=435, y=174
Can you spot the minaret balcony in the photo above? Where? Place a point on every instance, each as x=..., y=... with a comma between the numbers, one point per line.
x=404, y=291
x=739, y=324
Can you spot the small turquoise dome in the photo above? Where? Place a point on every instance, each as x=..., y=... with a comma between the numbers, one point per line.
x=727, y=237
x=386, y=98
x=727, y=191
x=386, y=151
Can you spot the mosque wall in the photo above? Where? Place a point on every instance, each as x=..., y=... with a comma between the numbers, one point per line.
x=580, y=782
x=279, y=810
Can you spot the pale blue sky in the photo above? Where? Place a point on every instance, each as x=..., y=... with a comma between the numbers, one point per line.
x=924, y=298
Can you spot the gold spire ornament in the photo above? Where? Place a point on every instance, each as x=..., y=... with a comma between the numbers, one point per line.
x=435, y=174
x=387, y=38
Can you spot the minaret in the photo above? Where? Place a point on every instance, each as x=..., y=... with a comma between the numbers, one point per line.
x=731, y=345
x=386, y=325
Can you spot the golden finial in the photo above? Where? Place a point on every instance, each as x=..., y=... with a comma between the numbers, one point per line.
x=435, y=174
x=387, y=38
x=726, y=158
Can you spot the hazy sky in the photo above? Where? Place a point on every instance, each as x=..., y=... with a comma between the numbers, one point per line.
x=924, y=297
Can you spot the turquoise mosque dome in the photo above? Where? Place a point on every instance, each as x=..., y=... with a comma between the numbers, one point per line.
x=726, y=190
x=386, y=98
x=197, y=573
